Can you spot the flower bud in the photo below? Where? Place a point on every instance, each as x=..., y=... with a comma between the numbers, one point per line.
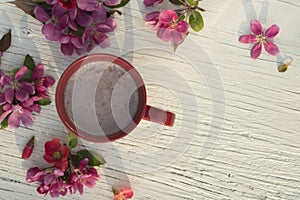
x=28, y=148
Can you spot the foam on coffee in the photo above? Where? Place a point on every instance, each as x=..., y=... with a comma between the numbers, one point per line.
x=101, y=98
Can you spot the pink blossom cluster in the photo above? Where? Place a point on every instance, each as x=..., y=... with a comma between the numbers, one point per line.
x=167, y=23
x=61, y=178
x=77, y=24
x=20, y=95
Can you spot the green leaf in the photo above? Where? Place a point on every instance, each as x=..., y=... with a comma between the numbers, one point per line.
x=193, y=2
x=121, y=4
x=29, y=62
x=4, y=123
x=72, y=140
x=196, y=21
x=176, y=2
x=95, y=159
x=5, y=41
x=26, y=5
x=44, y=102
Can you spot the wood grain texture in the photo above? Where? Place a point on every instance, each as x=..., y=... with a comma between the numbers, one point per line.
x=256, y=155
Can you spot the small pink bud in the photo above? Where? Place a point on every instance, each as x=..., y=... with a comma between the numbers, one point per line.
x=28, y=148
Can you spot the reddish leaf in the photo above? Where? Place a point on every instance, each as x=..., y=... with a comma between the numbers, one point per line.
x=5, y=41
x=26, y=5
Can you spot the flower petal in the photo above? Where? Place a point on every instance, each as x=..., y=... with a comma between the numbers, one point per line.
x=4, y=115
x=164, y=34
x=271, y=48
x=13, y=120
x=38, y=72
x=5, y=80
x=77, y=42
x=167, y=16
x=9, y=95
x=182, y=26
x=112, y=2
x=256, y=27
x=41, y=14
x=84, y=19
x=22, y=95
x=247, y=39
x=62, y=23
x=83, y=163
x=50, y=33
x=20, y=73
x=99, y=15
x=88, y=5
x=2, y=99
x=153, y=16
x=67, y=49
x=58, y=11
x=256, y=50
x=49, y=81
x=272, y=31
x=177, y=37
x=26, y=119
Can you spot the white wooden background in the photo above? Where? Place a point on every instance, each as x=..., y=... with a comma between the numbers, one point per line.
x=255, y=156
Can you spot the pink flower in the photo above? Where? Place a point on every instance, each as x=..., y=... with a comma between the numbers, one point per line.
x=57, y=154
x=30, y=104
x=23, y=89
x=41, y=82
x=124, y=194
x=261, y=39
x=54, y=24
x=152, y=2
x=53, y=182
x=69, y=43
x=96, y=33
x=171, y=28
x=59, y=188
x=16, y=114
x=83, y=176
x=34, y=174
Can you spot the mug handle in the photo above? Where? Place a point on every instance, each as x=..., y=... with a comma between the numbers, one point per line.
x=159, y=116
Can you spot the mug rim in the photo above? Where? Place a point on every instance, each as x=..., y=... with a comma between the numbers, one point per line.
x=72, y=69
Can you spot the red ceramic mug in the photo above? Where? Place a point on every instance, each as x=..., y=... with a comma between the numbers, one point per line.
x=143, y=111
